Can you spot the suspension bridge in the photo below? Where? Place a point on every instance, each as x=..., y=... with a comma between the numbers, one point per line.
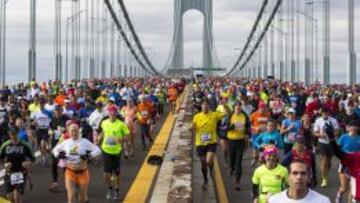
x=97, y=39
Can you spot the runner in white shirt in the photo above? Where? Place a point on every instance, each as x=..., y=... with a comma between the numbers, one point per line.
x=325, y=149
x=76, y=151
x=41, y=120
x=298, y=191
x=95, y=119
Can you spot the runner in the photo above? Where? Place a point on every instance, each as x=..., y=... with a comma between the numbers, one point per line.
x=290, y=128
x=129, y=113
x=113, y=133
x=269, y=178
x=238, y=136
x=57, y=127
x=270, y=137
x=144, y=115
x=298, y=190
x=325, y=149
x=204, y=130
x=222, y=128
x=300, y=153
x=41, y=121
x=17, y=157
x=258, y=121
x=348, y=143
x=172, y=94
x=77, y=151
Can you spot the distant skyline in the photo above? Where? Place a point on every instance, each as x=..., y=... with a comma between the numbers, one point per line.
x=153, y=21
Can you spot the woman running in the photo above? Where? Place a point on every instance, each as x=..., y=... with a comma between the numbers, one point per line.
x=270, y=177
x=77, y=151
x=129, y=112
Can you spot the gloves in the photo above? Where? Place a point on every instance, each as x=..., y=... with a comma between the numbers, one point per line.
x=62, y=155
x=329, y=130
x=86, y=156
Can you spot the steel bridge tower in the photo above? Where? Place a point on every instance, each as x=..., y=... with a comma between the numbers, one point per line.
x=177, y=54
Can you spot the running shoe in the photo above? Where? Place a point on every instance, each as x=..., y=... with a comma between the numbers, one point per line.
x=324, y=183
x=109, y=194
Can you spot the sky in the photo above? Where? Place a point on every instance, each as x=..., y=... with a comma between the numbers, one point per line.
x=153, y=21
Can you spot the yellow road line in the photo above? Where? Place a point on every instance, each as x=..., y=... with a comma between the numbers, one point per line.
x=219, y=183
x=140, y=188
x=3, y=200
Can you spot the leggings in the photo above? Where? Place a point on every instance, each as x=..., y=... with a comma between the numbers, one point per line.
x=237, y=148
x=54, y=168
x=145, y=132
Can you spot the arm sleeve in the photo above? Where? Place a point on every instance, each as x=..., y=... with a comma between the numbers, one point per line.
x=255, y=191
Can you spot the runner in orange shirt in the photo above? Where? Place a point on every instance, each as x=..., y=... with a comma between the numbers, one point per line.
x=258, y=121
x=172, y=96
x=144, y=115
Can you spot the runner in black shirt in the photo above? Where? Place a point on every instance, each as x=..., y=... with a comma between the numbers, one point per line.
x=17, y=157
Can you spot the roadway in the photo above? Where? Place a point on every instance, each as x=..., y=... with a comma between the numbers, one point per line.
x=41, y=176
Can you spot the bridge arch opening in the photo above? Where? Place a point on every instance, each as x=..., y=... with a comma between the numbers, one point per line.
x=193, y=22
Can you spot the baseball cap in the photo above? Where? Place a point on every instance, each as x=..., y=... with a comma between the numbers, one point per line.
x=291, y=110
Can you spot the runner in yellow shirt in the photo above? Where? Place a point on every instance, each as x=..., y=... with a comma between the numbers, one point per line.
x=113, y=132
x=204, y=127
x=238, y=137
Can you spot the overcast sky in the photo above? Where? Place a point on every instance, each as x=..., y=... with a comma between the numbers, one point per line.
x=153, y=21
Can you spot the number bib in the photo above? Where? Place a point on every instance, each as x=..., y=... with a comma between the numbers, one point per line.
x=292, y=136
x=144, y=114
x=16, y=178
x=239, y=126
x=205, y=137
x=111, y=141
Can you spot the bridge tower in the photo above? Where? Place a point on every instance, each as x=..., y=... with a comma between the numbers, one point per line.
x=181, y=7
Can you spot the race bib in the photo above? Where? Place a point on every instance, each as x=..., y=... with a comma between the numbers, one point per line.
x=239, y=126
x=16, y=178
x=111, y=140
x=144, y=113
x=292, y=136
x=198, y=100
x=205, y=137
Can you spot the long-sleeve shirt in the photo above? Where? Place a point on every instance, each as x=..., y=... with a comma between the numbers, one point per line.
x=265, y=138
x=75, y=148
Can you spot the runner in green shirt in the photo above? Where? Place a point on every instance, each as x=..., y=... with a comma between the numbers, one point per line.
x=269, y=178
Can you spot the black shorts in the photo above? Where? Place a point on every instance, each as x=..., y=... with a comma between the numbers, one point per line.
x=111, y=163
x=10, y=188
x=326, y=150
x=42, y=134
x=203, y=150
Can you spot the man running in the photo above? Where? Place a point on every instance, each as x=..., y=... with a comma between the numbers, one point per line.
x=204, y=129
x=113, y=132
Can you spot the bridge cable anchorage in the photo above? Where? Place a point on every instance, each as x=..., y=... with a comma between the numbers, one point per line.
x=253, y=30
x=125, y=38
x=136, y=38
x=266, y=28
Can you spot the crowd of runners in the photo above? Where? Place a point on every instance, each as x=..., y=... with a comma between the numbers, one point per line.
x=70, y=125
x=286, y=126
